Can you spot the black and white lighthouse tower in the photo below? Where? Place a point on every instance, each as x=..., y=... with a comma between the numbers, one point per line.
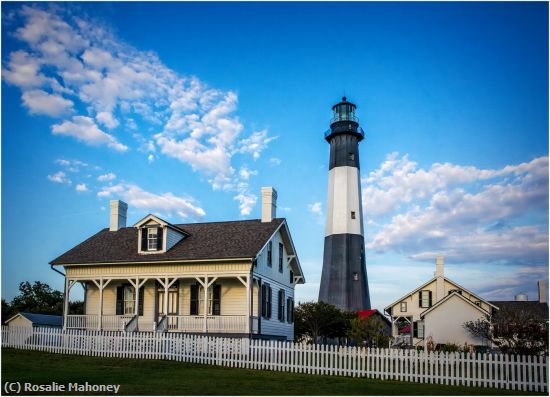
x=344, y=278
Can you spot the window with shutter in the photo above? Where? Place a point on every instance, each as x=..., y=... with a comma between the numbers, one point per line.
x=425, y=298
x=194, y=309
x=291, y=277
x=269, y=253
x=160, y=234
x=280, y=257
x=120, y=300
x=216, y=308
x=140, y=301
x=281, y=305
x=144, y=239
x=269, y=301
x=264, y=300
x=289, y=310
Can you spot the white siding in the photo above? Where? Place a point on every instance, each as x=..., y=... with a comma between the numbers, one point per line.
x=445, y=322
x=276, y=280
x=172, y=238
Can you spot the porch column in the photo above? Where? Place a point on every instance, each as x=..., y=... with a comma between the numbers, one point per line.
x=249, y=303
x=205, y=301
x=137, y=284
x=101, y=284
x=66, y=303
x=246, y=282
x=68, y=285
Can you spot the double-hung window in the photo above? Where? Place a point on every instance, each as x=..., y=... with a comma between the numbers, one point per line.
x=269, y=253
x=129, y=300
x=425, y=298
x=152, y=239
x=281, y=305
x=290, y=310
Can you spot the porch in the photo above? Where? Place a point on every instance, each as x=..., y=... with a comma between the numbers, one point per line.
x=192, y=304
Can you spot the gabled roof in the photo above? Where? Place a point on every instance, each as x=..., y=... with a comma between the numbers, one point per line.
x=40, y=319
x=447, y=299
x=211, y=240
x=431, y=281
x=160, y=221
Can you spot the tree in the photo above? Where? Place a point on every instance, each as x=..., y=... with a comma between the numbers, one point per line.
x=318, y=320
x=513, y=332
x=368, y=331
x=40, y=298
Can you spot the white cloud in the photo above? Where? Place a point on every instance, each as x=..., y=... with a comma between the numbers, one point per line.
x=316, y=209
x=84, y=129
x=71, y=165
x=468, y=214
x=106, y=177
x=246, y=202
x=150, y=158
x=120, y=87
x=81, y=187
x=107, y=119
x=246, y=173
x=165, y=204
x=274, y=161
x=255, y=143
x=40, y=102
x=59, y=177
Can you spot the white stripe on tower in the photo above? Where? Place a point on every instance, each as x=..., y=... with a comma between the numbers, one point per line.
x=344, y=214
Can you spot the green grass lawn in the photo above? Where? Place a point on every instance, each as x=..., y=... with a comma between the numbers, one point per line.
x=158, y=377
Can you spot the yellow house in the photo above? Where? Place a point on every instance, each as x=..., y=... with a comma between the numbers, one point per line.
x=437, y=309
x=222, y=278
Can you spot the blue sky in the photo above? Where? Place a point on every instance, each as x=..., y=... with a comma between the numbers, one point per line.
x=186, y=110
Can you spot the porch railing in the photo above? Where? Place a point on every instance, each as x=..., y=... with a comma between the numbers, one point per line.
x=115, y=323
x=213, y=323
x=83, y=321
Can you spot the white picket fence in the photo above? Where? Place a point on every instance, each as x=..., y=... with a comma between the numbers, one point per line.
x=525, y=373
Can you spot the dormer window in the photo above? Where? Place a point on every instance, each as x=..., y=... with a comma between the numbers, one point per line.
x=151, y=239
x=152, y=233
x=156, y=236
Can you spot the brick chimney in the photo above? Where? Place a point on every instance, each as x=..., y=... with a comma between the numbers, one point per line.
x=269, y=204
x=117, y=218
x=439, y=280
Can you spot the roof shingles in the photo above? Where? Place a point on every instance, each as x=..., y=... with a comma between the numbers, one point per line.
x=212, y=240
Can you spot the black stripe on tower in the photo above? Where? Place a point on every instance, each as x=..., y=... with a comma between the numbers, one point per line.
x=344, y=277
x=344, y=151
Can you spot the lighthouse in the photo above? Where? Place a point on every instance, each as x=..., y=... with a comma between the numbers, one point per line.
x=344, y=278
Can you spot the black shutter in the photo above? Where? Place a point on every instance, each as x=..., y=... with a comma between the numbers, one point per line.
x=279, y=303
x=143, y=239
x=291, y=277
x=420, y=299
x=159, y=238
x=415, y=329
x=430, y=298
x=140, y=301
x=120, y=301
x=264, y=301
x=269, y=303
x=194, y=300
x=216, y=295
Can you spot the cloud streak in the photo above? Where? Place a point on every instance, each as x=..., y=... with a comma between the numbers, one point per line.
x=470, y=215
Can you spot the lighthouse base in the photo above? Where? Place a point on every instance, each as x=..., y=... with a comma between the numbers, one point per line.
x=344, y=277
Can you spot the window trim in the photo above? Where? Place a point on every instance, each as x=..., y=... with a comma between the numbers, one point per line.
x=422, y=298
x=401, y=307
x=281, y=303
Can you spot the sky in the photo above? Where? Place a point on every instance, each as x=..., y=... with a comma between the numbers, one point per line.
x=185, y=110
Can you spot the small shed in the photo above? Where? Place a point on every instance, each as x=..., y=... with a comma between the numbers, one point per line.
x=24, y=319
